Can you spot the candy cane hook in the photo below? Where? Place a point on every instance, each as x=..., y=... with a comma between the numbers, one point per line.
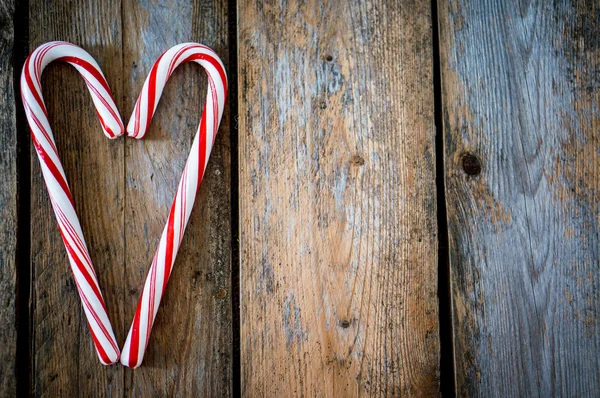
x=56, y=180
x=162, y=265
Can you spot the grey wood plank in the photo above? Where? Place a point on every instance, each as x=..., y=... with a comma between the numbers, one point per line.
x=521, y=94
x=190, y=349
x=64, y=359
x=338, y=235
x=8, y=204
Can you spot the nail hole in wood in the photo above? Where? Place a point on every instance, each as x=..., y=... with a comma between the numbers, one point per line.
x=345, y=323
x=329, y=58
x=471, y=164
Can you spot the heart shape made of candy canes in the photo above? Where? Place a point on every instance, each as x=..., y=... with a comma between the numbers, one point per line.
x=62, y=200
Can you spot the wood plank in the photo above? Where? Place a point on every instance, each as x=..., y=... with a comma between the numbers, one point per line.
x=189, y=352
x=521, y=104
x=64, y=360
x=338, y=235
x=8, y=205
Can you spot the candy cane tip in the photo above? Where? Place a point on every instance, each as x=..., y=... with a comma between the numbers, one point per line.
x=131, y=130
x=130, y=364
x=113, y=134
x=111, y=360
x=137, y=137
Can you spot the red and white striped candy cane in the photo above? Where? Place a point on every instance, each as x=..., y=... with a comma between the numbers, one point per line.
x=160, y=270
x=56, y=181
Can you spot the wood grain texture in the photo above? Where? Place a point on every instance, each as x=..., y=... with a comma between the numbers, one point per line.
x=64, y=359
x=8, y=205
x=189, y=352
x=338, y=240
x=521, y=92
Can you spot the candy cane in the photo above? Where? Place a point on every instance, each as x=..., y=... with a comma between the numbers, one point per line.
x=56, y=180
x=162, y=265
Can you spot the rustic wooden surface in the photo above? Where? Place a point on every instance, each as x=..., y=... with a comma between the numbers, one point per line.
x=191, y=344
x=520, y=90
x=337, y=199
x=334, y=174
x=8, y=206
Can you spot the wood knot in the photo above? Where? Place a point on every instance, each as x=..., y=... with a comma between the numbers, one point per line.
x=357, y=160
x=345, y=323
x=221, y=294
x=471, y=164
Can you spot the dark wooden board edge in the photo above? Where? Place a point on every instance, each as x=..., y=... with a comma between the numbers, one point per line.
x=8, y=204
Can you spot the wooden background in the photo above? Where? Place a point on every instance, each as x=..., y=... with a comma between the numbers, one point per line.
x=403, y=199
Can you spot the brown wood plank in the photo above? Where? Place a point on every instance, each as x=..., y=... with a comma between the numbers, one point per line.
x=521, y=94
x=189, y=353
x=338, y=235
x=8, y=205
x=64, y=360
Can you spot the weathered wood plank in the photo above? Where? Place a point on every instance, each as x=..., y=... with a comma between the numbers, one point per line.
x=338, y=236
x=8, y=205
x=521, y=94
x=189, y=353
x=64, y=360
